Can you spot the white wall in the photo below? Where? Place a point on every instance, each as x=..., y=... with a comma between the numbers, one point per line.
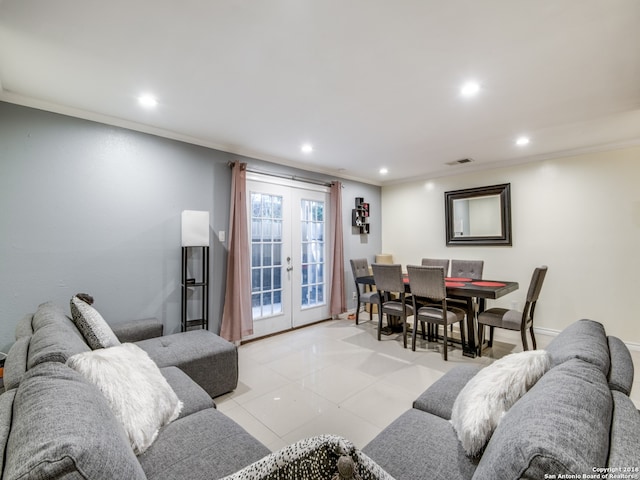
x=578, y=215
x=355, y=244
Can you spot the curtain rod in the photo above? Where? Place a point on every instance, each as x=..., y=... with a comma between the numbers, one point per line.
x=287, y=177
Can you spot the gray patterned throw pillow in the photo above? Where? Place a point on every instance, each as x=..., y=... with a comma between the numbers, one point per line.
x=325, y=457
x=94, y=328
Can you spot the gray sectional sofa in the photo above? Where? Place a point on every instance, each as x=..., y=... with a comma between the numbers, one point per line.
x=577, y=421
x=54, y=424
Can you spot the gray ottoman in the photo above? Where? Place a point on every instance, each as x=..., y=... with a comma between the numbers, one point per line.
x=208, y=359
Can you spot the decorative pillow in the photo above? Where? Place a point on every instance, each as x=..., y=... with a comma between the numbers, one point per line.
x=136, y=391
x=481, y=404
x=325, y=457
x=94, y=328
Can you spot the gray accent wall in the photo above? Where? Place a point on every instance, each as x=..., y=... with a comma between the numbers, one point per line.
x=87, y=207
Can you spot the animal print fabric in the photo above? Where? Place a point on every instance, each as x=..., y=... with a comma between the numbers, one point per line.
x=314, y=458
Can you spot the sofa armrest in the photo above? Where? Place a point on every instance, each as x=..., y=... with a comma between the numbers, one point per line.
x=439, y=398
x=136, y=330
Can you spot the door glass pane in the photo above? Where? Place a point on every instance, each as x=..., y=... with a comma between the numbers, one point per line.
x=266, y=257
x=312, y=261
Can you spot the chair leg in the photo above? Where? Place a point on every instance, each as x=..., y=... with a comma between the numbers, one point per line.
x=404, y=330
x=480, y=338
x=379, y=321
x=413, y=334
x=491, y=328
x=523, y=334
x=446, y=341
x=533, y=338
x=462, y=335
x=357, y=312
x=370, y=311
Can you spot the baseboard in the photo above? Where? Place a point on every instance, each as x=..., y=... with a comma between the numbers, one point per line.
x=552, y=333
x=546, y=331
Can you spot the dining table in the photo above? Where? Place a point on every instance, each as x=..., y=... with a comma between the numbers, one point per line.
x=469, y=289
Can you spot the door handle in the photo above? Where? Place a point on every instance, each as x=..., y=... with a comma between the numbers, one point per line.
x=289, y=266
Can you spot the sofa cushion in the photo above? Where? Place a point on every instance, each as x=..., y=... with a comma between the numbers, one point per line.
x=15, y=364
x=420, y=445
x=438, y=399
x=621, y=371
x=46, y=314
x=560, y=426
x=491, y=393
x=584, y=339
x=6, y=413
x=23, y=327
x=201, y=446
x=192, y=395
x=94, y=328
x=60, y=422
x=138, y=394
x=55, y=337
x=209, y=360
x=625, y=433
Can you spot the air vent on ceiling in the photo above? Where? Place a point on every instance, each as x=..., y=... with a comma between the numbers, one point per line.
x=460, y=162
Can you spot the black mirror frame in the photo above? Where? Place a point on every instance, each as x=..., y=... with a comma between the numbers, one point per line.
x=504, y=191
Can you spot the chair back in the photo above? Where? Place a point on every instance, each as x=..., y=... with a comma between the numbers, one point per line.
x=388, y=277
x=427, y=282
x=437, y=262
x=536, y=283
x=467, y=268
x=359, y=267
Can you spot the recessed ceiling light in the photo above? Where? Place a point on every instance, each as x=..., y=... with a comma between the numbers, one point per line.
x=147, y=101
x=384, y=171
x=521, y=141
x=307, y=148
x=469, y=89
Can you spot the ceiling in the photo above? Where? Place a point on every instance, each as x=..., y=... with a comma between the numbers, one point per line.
x=369, y=83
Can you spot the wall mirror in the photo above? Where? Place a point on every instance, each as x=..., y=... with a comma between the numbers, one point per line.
x=479, y=216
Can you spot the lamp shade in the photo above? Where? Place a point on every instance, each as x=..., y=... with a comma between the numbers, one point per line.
x=195, y=228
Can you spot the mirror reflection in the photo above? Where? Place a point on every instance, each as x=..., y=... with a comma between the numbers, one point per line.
x=480, y=216
x=477, y=217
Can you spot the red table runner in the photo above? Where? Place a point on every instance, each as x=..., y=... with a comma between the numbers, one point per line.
x=488, y=284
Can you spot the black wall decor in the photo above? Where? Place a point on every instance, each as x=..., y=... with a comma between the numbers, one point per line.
x=360, y=216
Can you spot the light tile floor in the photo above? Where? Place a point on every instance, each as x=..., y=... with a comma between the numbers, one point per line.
x=335, y=377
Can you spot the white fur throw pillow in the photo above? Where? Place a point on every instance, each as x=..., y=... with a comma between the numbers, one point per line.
x=95, y=330
x=483, y=401
x=136, y=390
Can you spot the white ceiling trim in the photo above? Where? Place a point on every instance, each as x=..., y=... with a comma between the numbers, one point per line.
x=24, y=101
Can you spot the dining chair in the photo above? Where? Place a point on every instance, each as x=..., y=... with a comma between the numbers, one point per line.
x=437, y=262
x=467, y=268
x=514, y=319
x=389, y=282
x=360, y=268
x=429, y=298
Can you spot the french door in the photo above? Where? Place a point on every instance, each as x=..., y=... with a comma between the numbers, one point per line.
x=288, y=225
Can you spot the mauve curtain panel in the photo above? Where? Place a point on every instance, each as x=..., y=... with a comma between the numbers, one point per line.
x=337, y=300
x=236, y=316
